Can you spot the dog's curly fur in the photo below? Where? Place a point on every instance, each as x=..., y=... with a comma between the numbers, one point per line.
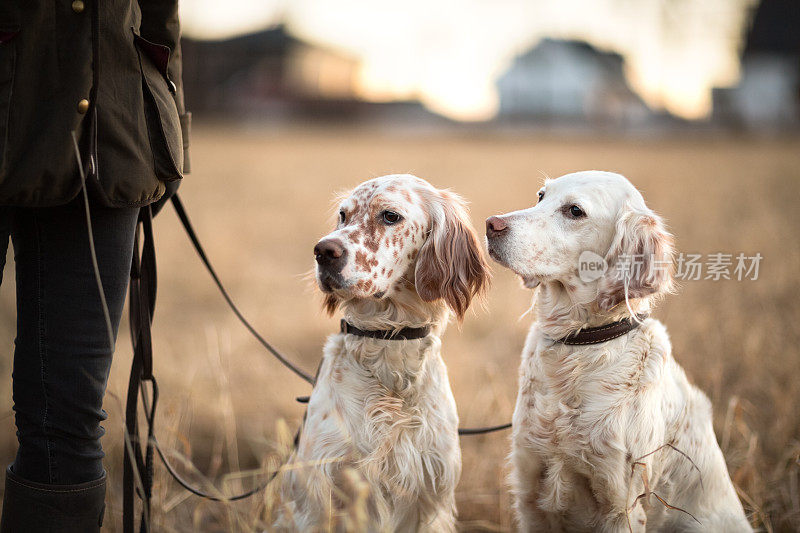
x=600, y=430
x=382, y=411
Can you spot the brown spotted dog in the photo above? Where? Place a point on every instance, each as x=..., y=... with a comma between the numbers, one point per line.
x=379, y=450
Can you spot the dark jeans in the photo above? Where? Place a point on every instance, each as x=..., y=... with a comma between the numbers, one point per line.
x=62, y=356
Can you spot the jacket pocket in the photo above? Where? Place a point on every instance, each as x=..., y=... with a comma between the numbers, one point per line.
x=161, y=112
x=8, y=58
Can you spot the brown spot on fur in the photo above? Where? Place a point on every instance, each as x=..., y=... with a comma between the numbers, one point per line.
x=374, y=231
x=364, y=284
x=361, y=260
x=372, y=243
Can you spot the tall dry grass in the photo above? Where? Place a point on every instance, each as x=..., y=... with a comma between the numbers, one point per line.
x=261, y=198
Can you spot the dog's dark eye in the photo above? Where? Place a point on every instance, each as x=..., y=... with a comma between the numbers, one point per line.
x=576, y=211
x=390, y=217
x=541, y=195
x=342, y=217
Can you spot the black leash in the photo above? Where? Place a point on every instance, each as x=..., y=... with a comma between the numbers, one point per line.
x=142, y=305
x=138, y=466
x=198, y=492
x=181, y=212
x=483, y=430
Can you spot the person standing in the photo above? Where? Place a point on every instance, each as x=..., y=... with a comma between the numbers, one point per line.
x=110, y=72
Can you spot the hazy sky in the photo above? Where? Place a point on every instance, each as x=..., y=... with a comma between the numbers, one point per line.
x=449, y=53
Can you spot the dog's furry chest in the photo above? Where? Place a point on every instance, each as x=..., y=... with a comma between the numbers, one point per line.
x=571, y=411
x=391, y=416
x=585, y=413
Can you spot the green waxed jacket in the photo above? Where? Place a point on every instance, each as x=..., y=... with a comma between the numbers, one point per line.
x=109, y=70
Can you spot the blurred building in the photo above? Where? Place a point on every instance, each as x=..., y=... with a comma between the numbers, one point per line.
x=569, y=81
x=767, y=97
x=268, y=72
x=273, y=76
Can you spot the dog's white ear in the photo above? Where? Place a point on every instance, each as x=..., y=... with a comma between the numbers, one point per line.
x=639, y=260
x=451, y=265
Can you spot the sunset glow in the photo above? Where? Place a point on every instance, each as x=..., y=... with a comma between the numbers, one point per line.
x=450, y=53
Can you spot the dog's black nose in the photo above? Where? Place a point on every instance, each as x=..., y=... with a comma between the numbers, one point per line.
x=495, y=226
x=330, y=253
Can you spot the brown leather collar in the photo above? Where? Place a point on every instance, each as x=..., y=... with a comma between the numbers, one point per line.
x=387, y=334
x=602, y=333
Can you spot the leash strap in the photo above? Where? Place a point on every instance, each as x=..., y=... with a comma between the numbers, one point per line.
x=138, y=466
x=203, y=494
x=181, y=212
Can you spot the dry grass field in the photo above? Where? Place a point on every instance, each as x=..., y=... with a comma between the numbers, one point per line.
x=260, y=199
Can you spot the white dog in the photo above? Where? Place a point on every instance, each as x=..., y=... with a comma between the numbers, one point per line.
x=379, y=450
x=607, y=428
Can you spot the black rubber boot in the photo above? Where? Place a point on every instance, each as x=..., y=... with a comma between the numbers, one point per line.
x=30, y=507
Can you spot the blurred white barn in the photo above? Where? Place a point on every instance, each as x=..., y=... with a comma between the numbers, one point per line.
x=569, y=81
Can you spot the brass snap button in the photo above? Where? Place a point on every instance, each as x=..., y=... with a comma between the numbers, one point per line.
x=78, y=6
x=83, y=106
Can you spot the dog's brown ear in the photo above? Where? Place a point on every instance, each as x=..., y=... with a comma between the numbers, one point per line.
x=639, y=260
x=451, y=265
x=329, y=303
